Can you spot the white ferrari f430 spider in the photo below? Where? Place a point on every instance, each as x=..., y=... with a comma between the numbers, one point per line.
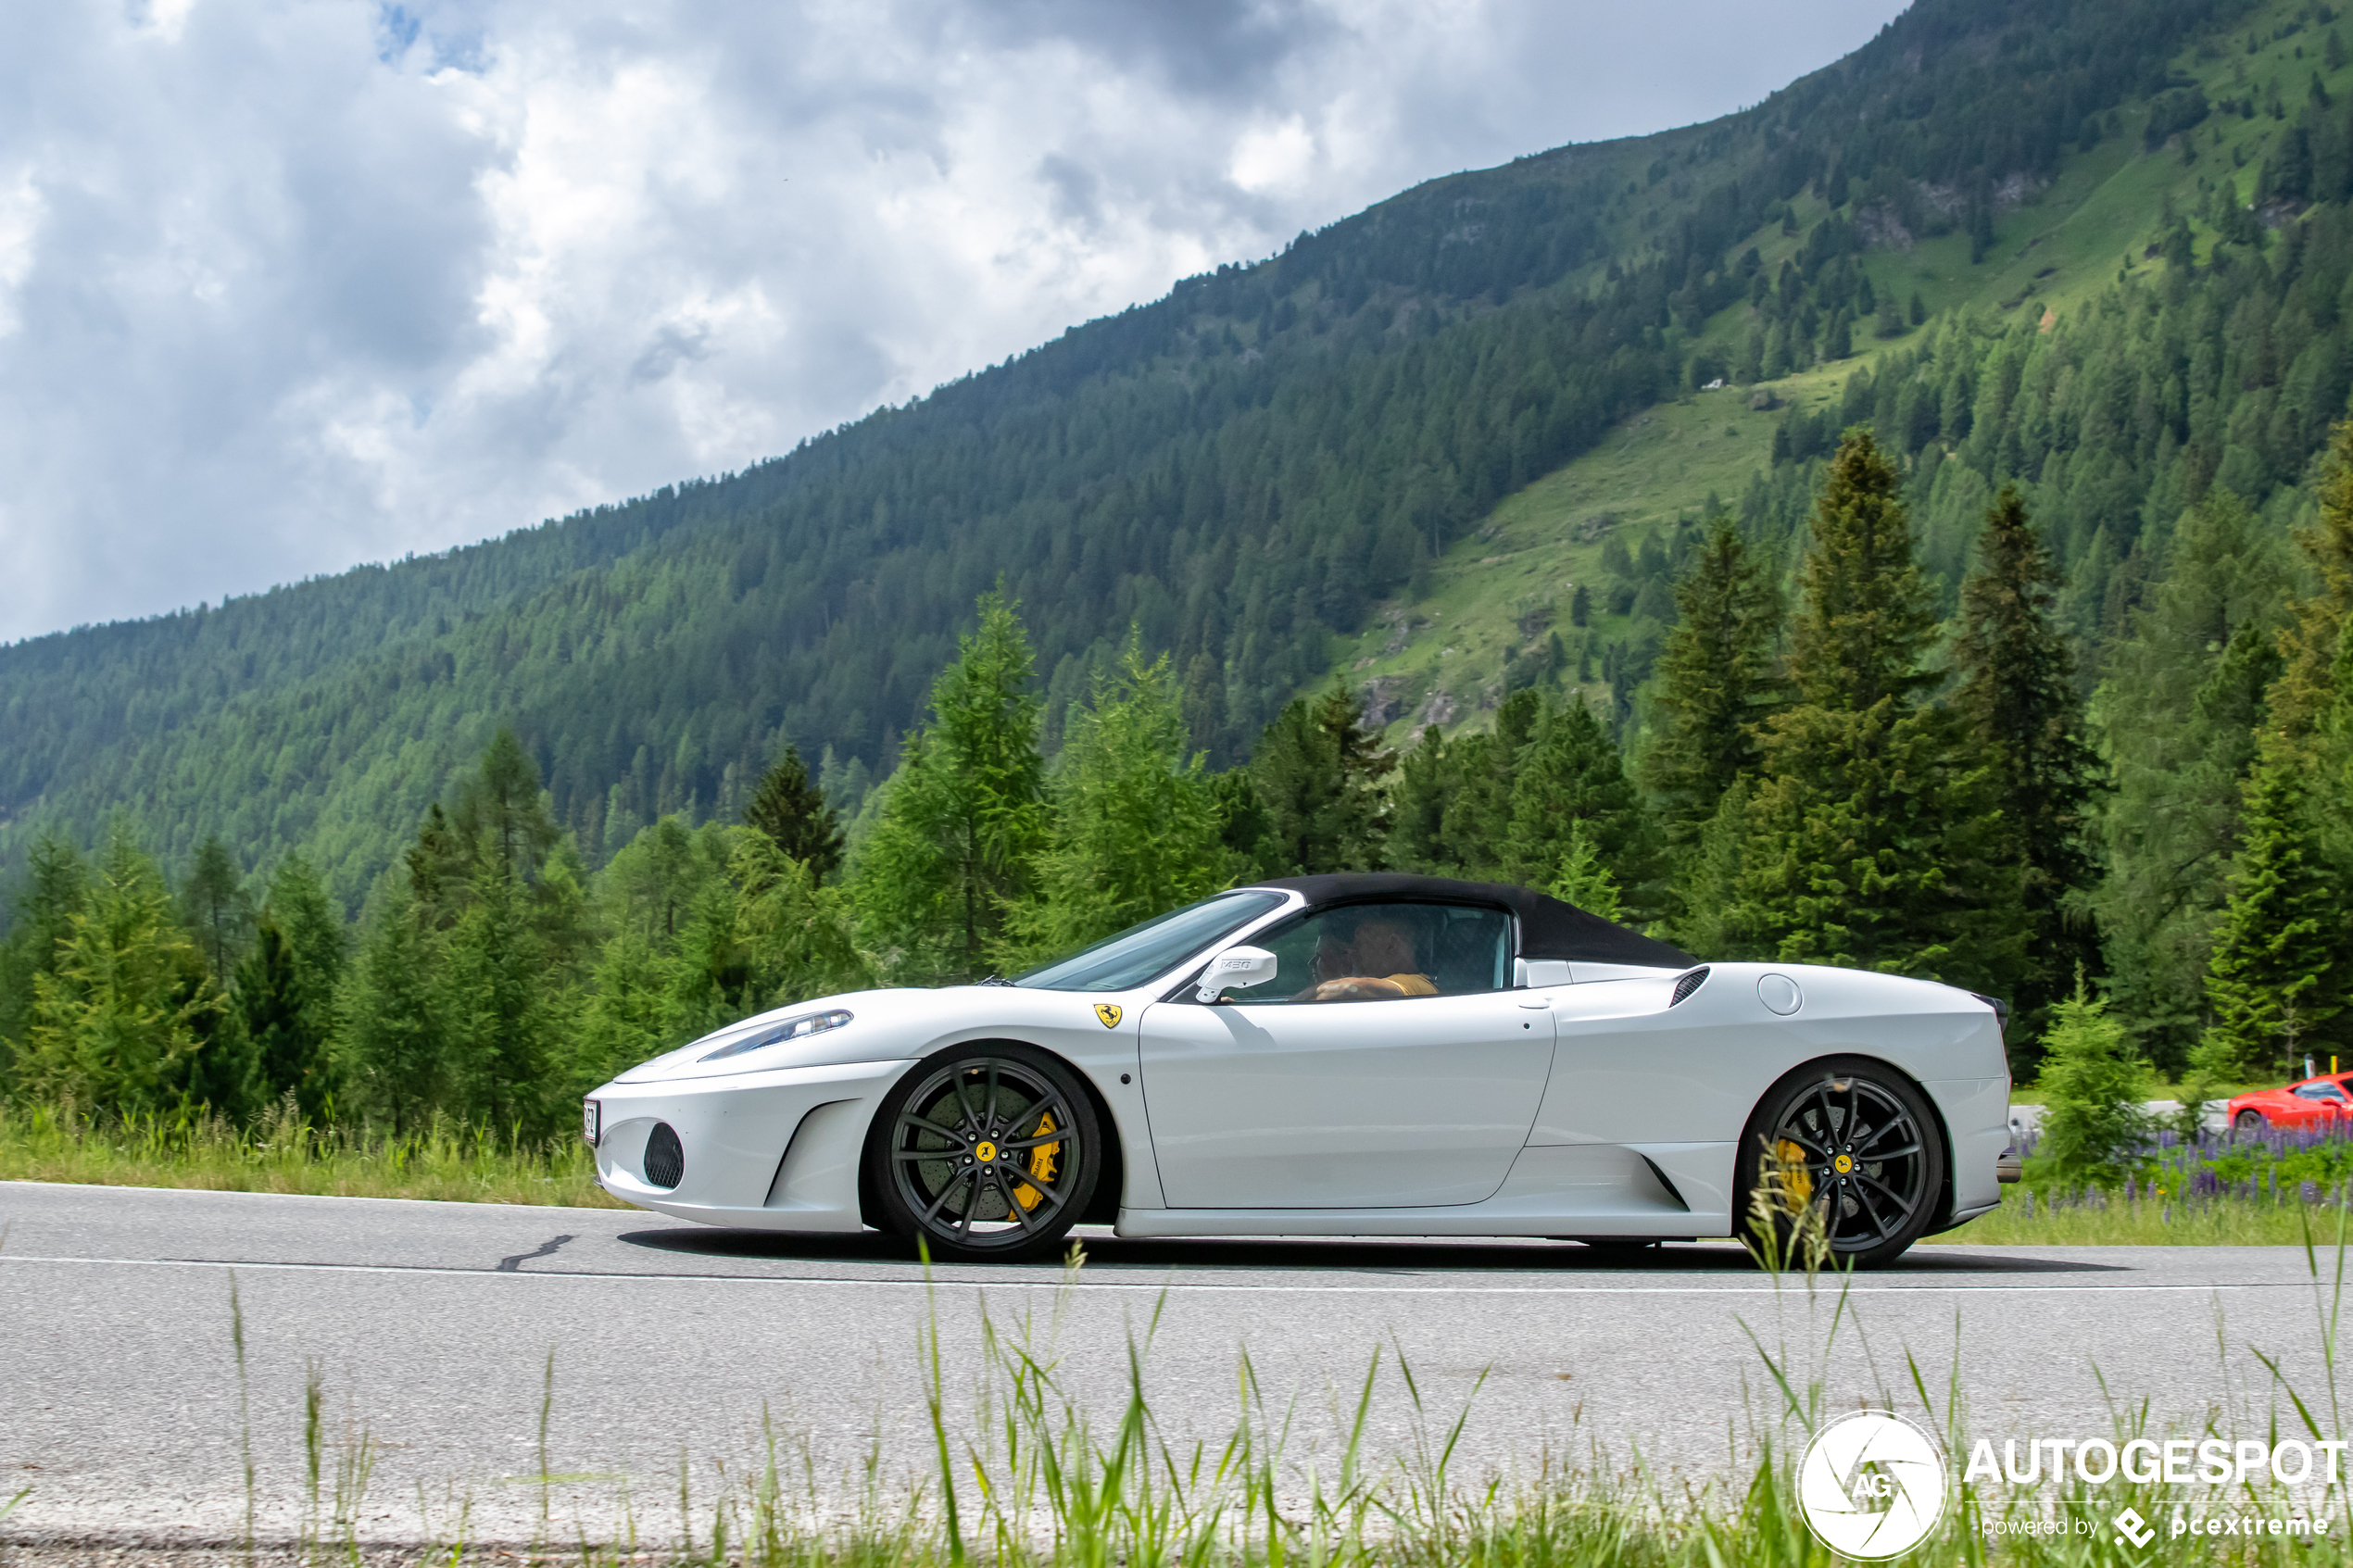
x=1349, y=1054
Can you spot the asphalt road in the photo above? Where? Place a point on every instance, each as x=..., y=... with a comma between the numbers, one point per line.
x=429, y=1327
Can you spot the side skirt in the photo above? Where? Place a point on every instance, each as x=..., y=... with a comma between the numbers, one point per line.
x=1590, y=1189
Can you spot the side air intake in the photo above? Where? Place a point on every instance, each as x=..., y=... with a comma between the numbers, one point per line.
x=665, y=1156
x=1683, y=988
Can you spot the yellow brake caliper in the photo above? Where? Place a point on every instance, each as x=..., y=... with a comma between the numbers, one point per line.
x=1041, y=1167
x=1797, y=1178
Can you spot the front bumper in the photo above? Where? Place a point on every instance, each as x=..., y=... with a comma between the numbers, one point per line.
x=766, y=1150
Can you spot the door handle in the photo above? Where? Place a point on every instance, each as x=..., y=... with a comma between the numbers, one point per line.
x=1536, y=1004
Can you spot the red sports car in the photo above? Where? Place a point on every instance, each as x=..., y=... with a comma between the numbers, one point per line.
x=2313, y=1102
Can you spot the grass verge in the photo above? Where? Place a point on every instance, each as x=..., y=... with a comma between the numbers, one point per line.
x=284, y=1154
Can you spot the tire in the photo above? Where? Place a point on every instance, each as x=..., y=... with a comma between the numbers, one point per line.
x=1883, y=1201
x=2248, y=1120
x=941, y=1167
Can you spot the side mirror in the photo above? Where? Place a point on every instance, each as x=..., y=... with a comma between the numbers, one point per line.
x=1235, y=966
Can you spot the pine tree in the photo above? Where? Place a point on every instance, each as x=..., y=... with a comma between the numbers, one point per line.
x=1427, y=783
x=498, y=988
x=55, y=889
x=2302, y=695
x=1569, y=788
x=2093, y=1089
x=395, y=1051
x=1317, y=771
x=456, y=1001
x=1135, y=827
x=2310, y=703
x=790, y=809
x=286, y=990
x=2280, y=960
x=269, y=1002
x=1708, y=881
x=2019, y=703
x=1487, y=768
x=1716, y=684
x=1205, y=704
x=964, y=817
x=1873, y=842
x=502, y=811
x=1582, y=879
x=316, y=941
x=438, y=864
x=2181, y=706
x=114, y=1020
x=217, y=906
x=1241, y=820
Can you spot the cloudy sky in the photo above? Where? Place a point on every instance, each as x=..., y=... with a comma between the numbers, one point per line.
x=290, y=284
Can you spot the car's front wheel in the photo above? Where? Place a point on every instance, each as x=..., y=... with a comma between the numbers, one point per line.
x=989, y=1152
x=2248, y=1120
x=1856, y=1143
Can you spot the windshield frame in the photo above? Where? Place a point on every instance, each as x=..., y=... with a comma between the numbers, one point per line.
x=1277, y=902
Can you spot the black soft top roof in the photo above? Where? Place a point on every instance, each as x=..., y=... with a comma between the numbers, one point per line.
x=1548, y=928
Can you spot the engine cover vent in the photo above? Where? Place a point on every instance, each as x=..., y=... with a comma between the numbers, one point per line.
x=665, y=1156
x=1683, y=988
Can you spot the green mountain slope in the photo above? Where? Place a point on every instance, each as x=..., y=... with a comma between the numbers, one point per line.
x=1350, y=457
x=2064, y=296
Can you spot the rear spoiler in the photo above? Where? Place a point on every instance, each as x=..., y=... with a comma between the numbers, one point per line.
x=2001, y=1011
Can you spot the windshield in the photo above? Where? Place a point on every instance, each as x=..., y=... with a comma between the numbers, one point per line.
x=1122, y=962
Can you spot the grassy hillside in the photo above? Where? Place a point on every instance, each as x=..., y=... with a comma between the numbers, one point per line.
x=1412, y=433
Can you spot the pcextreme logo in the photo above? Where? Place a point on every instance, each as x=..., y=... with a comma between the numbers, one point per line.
x=1871, y=1485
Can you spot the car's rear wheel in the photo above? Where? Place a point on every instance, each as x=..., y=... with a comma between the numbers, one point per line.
x=1856, y=1143
x=2248, y=1120
x=987, y=1153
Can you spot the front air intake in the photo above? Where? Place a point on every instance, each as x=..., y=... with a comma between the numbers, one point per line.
x=1683, y=988
x=665, y=1158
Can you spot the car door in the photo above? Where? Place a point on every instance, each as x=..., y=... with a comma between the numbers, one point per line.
x=1410, y=1086
x=2317, y=1104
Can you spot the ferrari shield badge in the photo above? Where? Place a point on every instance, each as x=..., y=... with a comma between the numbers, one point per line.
x=1108, y=1013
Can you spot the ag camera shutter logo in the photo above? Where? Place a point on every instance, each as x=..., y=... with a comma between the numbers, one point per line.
x=1871, y=1485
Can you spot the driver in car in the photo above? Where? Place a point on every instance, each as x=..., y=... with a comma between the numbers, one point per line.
x=1373, y=962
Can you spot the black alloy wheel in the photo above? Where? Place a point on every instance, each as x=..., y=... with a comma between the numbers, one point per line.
x=1861, y=1148
x=2248, y=1120
x=988, y=1153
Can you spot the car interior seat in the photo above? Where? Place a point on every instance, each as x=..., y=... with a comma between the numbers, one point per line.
x=1465, y=952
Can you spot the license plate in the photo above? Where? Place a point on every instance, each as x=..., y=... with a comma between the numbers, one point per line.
x=589, y=1117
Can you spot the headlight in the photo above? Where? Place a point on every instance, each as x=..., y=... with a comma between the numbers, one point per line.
x=808, y=1024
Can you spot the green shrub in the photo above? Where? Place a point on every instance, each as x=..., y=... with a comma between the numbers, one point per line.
x=2093, y=1087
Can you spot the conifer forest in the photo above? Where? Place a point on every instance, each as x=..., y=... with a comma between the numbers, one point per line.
x=1908, y=524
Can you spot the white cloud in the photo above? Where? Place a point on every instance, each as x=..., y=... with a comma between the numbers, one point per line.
x=21, y=211
x=288, y=285
x=1278, y=158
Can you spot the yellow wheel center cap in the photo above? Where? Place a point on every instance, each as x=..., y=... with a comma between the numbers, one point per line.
x=986, y=1152
x=1842, y=1164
